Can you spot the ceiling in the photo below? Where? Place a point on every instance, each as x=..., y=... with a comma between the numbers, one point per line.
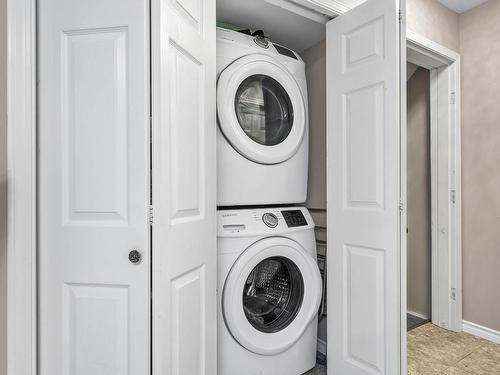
x=282, y=25
x=461, y=6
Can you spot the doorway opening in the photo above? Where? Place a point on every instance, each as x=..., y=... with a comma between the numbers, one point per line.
x=432, y=281
x=419, y=270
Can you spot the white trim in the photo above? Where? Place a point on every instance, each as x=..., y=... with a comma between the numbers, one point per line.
x=330, y=8
x=301, y=10
x=480, y=331
x=21, y=151
x=457, y=180
x=428, y=53
x=444, y=66
x=321, y=346
x=418, y=315
x=445, y=180
x=403, y=219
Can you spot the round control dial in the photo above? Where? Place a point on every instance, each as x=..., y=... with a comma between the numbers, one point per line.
x=270, y=220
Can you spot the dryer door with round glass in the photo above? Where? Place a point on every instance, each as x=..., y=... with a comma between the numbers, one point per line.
x=261, y=109
x=271, y=295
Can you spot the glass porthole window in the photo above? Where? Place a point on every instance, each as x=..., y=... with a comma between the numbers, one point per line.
x=273, y=294
x=264, y=110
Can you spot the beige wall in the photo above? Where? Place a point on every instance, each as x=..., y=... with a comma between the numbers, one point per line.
x=419, y=193
x=480, y=50
x=434, y=21
x=3, y=188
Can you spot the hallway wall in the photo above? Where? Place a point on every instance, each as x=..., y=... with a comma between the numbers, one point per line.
x=419, y=193
x=480, y=50
x=434, y=21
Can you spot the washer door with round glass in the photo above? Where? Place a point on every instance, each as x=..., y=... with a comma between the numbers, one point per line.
x=271, y=295
x=261, y=109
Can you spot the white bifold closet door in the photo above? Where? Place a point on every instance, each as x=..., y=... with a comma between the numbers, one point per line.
x=184, y=187
x=364, y=118
x=93, y=193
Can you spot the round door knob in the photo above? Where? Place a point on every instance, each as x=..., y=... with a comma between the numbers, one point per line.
x=270, y=220
x=134, y=256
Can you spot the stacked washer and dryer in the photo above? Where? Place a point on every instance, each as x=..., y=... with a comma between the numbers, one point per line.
x=269, y=283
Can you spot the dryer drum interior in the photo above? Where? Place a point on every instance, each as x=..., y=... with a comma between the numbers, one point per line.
x=273, y=294
x=264, y=109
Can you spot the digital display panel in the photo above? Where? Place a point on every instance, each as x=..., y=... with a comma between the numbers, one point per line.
x=294, y=218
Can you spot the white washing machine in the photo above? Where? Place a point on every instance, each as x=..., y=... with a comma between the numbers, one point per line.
x=269, y=291
x=262, y=137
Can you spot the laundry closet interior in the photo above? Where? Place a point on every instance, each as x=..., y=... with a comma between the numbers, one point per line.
x=279, y=94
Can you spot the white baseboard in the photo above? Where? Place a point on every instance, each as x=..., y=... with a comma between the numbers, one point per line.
x=321, y=346
x=480, y=331
x=418, y=315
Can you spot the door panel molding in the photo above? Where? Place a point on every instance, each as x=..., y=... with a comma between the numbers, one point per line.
x=184, y=187
x=93, y=187
x=364, y=166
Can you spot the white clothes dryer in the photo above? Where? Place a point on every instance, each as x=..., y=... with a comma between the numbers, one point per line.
x=262, y=137
x=269, y=291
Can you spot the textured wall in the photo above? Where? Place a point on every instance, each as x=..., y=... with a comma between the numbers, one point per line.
x=315, y=59
x=419, y=193
x=480, y=50
x=434, y=21
x=3, y=187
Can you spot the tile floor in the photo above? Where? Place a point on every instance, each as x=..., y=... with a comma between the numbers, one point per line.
x=413, y=321
x=436, y=351
x=432, y=350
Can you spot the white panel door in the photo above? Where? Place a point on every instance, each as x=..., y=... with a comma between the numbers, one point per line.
x=93, y=171
x=364, y=115
x=184, y=187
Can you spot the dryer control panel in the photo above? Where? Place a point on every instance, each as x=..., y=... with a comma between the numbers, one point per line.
x=254, y=221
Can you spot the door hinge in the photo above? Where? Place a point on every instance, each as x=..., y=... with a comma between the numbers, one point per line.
x=453, y=195
x=150, y=215
x=401, y=206
x=453, y=294
x=400, y=16
x=453, y=97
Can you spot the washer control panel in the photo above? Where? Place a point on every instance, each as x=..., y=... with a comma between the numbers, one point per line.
x=265, y=221
x=270, y=220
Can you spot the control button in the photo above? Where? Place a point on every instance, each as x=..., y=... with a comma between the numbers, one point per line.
x=270, y=220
